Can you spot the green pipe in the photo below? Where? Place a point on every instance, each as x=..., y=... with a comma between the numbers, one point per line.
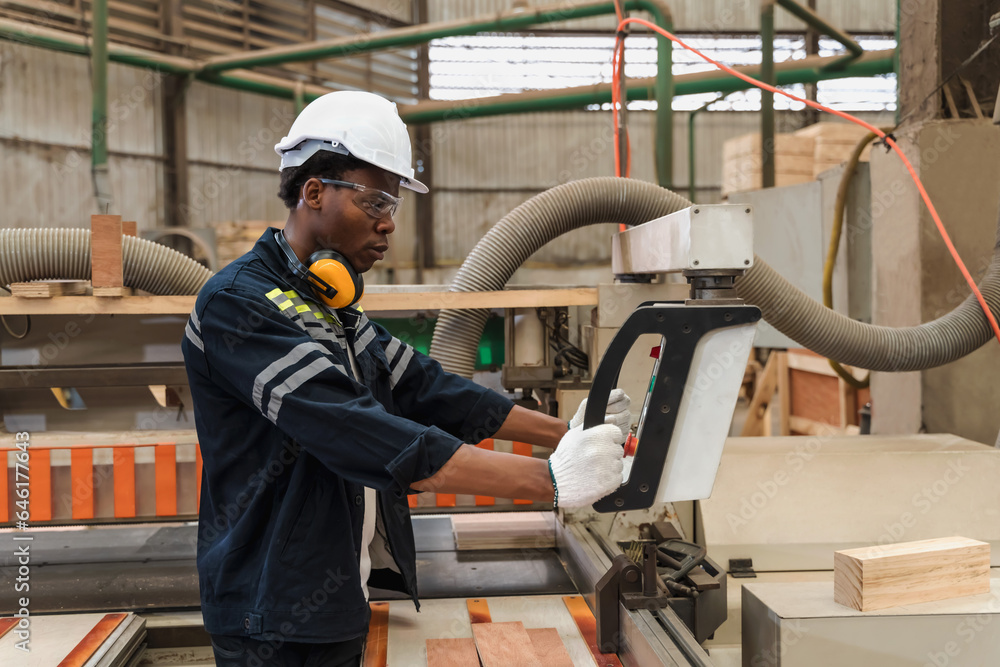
x=638, y=89
x=508, y=21
x=691, y=154
x=767, y=146
x=99, y=74
x=814, y=20
x=664, y=105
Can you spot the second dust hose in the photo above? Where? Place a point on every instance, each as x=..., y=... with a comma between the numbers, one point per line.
x=563, y=208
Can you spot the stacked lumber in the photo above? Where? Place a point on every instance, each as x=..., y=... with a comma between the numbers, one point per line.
x=234, y=239
x=879, y=577
x=741, y=162
x=833, y=143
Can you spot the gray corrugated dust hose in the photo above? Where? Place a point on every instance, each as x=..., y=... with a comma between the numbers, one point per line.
x=51, y=254
x=549, y=214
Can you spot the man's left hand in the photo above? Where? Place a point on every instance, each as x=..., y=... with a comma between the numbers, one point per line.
x=617, y=412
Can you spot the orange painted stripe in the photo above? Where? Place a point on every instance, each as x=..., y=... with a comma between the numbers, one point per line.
x=40, y=485
x=197, y=472
x=4, y=490
x=412, y=500
x=485, y=500
x=124, y=482
x=479, y=610
x=6, y=624
x=89, y=644
x=524, y=449
x=445, y=500
x=377, y=647
x=587, y=624
x=166, y=480
x=82, y=482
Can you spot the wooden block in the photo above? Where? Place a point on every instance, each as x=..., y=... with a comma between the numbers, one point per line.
x=44, y=289
x=504, y=644
x=106, y=251
x=452, y=653
x=113, y=291
x=549, y=647
x=129, y=228
x=879, y=577
x=506, y=530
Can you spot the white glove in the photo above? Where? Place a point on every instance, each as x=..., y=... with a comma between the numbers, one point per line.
x=587, y=465
x=617, y=412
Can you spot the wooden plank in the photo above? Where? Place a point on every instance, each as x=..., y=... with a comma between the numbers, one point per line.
x=504, y=530
x=784, y=395
x=40, y=485
x=587, y=625
x=479, y=611
x=372, y=302
x=804, y=360
x=113, y=291
x=549, y=647
x=166, y=480
x=106, y=251
x=754, y=425
x=972, y=97
x=89, y=644
x=46, y=289
x=377, y=645
x=452, y=653
x=103, y=439
x=124, y=474
x=504, y=644
x=485, y=501
x=805, y=426
x=880, y=577
x=82, y=482
x=521, y=449
x=130, y=228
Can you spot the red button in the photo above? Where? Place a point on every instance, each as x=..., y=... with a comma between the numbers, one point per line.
x=630, y=444
x=655, y=352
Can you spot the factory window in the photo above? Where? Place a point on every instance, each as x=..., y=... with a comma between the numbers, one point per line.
x=483, y=65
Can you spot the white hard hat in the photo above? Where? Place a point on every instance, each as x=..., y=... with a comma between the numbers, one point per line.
x=361, y=124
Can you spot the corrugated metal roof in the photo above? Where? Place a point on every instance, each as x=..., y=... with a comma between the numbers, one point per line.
x=698, y=15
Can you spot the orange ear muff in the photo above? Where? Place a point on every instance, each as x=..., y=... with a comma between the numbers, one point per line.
x=333, y=269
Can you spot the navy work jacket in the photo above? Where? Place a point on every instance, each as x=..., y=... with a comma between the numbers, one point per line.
x=289, y=439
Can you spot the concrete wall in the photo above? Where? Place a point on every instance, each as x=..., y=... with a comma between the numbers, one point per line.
x=915, y=279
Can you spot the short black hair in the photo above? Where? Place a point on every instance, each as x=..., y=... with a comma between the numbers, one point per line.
x=324, y=164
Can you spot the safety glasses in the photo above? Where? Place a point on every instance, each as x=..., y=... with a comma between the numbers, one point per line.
x=374, y=202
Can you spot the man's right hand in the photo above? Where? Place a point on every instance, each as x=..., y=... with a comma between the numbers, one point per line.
x=587, y=465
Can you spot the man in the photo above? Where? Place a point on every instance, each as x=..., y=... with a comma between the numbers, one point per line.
x=314, y=423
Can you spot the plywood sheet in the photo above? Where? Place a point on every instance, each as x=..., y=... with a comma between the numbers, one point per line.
x=452, y=653
x=504, y=644
x=549, y=647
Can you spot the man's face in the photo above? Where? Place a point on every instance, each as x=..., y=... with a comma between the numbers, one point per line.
x=347, y=228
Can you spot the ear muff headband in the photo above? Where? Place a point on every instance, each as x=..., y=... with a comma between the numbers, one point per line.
x=333, y=279
x=331, y=269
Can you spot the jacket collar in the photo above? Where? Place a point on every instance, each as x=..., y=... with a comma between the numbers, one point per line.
x=269, y=252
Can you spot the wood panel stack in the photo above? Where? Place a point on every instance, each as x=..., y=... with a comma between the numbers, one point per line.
x=833, y=144
x=234, y=239
x=741, y=162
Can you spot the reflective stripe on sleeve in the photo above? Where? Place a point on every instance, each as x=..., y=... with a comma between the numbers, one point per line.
x=290, y=359
x=294, y=381
x=400, y=368
x=193, y=337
